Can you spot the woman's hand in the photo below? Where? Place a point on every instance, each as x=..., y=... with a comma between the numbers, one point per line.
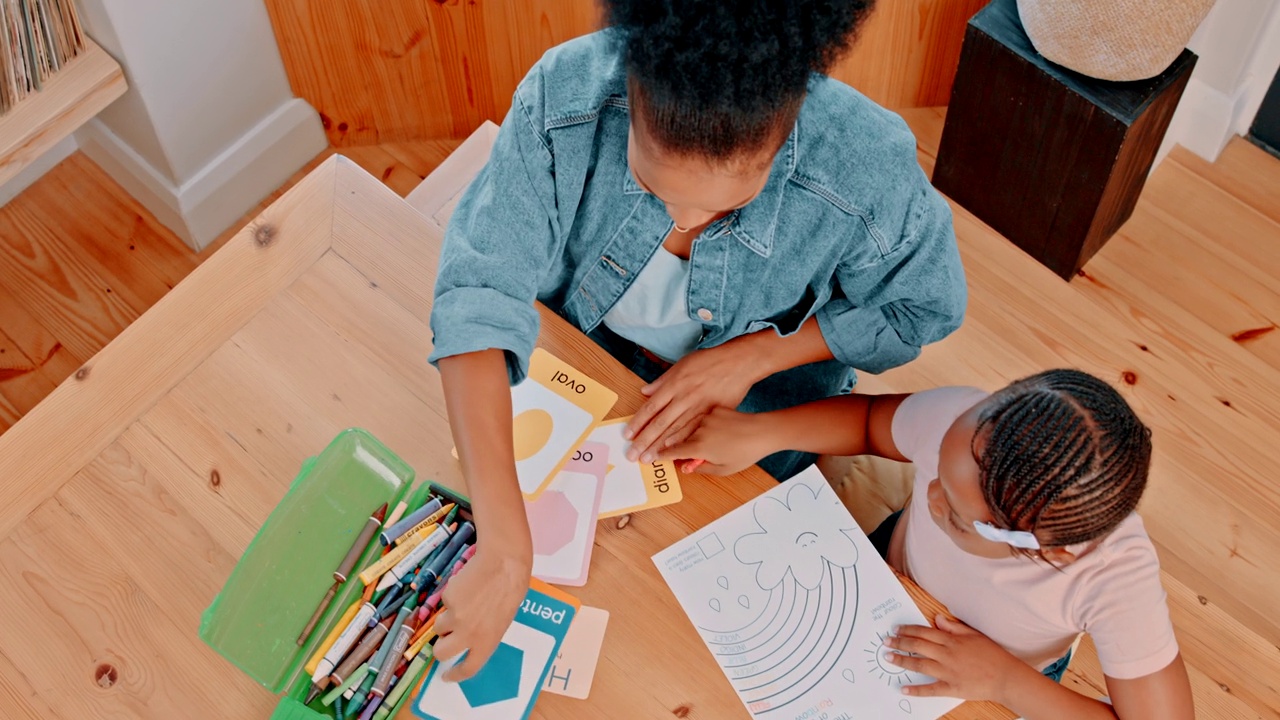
x=727, y=442
x=965, y=663
x=480, y=602
x=682, y=397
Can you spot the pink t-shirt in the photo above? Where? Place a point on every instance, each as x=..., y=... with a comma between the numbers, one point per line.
x=1112, y=591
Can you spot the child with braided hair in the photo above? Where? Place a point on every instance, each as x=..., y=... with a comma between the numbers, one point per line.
x=1022, y=523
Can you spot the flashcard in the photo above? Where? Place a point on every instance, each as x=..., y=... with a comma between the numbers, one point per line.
x=575, y=665
x=508, y=685
x=630, y=487
x=563, y=518
x=553, y=410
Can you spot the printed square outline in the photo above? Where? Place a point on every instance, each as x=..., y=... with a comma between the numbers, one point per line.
x=711, y=546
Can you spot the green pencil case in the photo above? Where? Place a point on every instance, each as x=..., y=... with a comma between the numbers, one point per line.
x=255, y=620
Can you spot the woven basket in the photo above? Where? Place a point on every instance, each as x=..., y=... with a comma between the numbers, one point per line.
x=1112, y=39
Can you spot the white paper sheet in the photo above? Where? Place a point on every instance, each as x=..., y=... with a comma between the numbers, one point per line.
x=794, y=604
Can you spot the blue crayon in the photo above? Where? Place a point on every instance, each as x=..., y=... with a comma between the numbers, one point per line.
x=460, y=538
x=389, y=534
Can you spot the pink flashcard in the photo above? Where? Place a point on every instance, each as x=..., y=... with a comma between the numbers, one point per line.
x=563, y=518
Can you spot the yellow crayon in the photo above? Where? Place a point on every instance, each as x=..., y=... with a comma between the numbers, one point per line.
x=323, y=647
x=420, y=643
x=371, y=574
x=429, y=520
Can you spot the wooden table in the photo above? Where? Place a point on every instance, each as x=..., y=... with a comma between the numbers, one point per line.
x=128, y=494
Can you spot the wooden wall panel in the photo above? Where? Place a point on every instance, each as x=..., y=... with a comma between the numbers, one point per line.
x=396, y=70
x=907, y=53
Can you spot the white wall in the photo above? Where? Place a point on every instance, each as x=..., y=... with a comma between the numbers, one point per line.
x=1239, y=49
x=209, y=126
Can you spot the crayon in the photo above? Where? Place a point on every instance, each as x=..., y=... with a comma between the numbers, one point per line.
x=344, y=569
x=419, y=645
x=391, y=532
x=337, y=692
x=393, y=594
x=339, y=712
x=464, y=533
x=415, y=668
x=368, y=645
x=371, y=574
x=398, y=645
x=453, y=515
x=362, y=692
x=416, y=555
x=371, y=708
x=432, y=519
x=320, y=678
x=450, y=496
x=342, y=623
x=396, y=514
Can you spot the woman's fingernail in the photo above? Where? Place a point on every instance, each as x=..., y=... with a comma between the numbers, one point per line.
x=648, y=457
x=906, y=690
x=628, y=433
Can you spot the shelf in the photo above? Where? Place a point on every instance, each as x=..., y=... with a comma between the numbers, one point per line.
x=69, y=99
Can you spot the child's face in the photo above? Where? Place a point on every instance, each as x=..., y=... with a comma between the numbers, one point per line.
x=955, y=497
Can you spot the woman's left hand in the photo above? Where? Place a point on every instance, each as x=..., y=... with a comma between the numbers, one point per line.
x=699, y=382
x=965, y=663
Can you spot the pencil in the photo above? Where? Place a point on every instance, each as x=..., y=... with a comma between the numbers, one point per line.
x=344, y=569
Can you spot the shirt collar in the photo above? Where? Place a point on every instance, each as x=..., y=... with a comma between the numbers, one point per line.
x=754, y=224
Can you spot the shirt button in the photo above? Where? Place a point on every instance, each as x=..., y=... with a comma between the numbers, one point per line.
x=705, y=315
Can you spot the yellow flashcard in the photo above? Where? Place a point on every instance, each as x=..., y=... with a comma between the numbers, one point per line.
x=630, y=487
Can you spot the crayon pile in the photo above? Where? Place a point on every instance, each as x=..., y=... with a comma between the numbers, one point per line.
x=380, y=647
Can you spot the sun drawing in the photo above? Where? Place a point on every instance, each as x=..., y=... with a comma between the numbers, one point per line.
x=879, y=663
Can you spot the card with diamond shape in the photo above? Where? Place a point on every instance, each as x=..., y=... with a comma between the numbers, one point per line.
x=507, y=686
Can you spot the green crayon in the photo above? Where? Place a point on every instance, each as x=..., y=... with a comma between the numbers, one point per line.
x=356, y=677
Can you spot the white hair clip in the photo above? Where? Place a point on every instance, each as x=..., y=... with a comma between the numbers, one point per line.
x=1014, y=538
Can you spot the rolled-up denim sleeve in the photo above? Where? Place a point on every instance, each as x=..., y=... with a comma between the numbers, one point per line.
x=500, y=243
x=885, y=313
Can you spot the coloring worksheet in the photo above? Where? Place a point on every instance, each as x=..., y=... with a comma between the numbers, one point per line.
x=794, y=604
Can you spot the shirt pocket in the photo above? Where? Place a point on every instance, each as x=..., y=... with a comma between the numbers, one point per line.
x=789, y=321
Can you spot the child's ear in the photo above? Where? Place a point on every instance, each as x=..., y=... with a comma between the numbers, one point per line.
x=1061, y=557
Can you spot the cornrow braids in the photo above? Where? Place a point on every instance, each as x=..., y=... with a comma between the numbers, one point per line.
x=1061, y=455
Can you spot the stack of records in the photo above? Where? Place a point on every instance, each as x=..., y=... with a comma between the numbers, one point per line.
x=37, y=39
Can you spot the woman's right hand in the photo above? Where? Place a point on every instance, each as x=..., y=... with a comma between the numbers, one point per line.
x=480, y=603
x=727, y=441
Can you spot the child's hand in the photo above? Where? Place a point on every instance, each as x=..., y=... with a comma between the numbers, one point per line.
x=966, y=663
x=727, y=440
x=480, y=603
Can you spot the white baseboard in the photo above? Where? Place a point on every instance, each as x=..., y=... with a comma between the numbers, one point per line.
x=1202, y=122
x=31, y=173
x=230, y=185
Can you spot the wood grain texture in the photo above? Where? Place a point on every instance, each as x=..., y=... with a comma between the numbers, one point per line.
x=406, y=70
x=87, y=84
x=112, y=390
x=219, y=448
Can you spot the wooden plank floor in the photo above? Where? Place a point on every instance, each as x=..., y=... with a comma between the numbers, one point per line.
x=1190, y=287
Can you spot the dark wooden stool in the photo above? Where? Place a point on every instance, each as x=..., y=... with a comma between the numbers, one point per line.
x=1049, y=158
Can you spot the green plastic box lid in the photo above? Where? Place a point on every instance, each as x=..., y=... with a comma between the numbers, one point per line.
x=255, y=620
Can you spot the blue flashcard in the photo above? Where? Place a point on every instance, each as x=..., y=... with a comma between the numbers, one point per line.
x=507, y=686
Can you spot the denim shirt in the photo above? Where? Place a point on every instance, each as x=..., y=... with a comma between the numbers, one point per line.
x=847, y=228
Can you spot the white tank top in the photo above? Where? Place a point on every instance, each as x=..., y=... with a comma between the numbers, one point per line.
x=654, y=312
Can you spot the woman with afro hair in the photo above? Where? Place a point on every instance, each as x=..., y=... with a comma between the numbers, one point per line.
x=689, y=189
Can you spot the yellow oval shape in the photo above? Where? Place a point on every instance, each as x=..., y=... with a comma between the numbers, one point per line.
x=532, y=431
